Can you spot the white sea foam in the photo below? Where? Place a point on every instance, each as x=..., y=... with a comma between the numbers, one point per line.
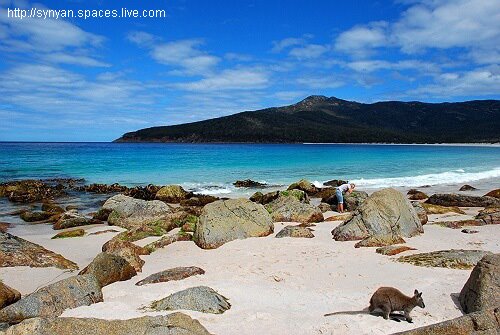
x=449, y=177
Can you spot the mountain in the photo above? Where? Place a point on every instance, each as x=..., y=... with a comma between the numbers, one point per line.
x=318, y=119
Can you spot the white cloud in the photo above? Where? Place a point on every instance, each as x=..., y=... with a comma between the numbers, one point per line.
x=440, y=24
x=321, y=82
x=285, y=43
x=485, y=81
x=367, y=66
x=359, y=41
x=64, y=58
x=308, y=51
x=185, y=55
x=231, y=79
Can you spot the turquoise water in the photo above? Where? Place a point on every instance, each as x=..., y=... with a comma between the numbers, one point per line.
x=211, y=168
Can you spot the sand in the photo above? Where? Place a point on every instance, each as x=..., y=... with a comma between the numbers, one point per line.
x=275, y=286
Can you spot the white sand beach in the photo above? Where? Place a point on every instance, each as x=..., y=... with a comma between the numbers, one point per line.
x=275, y=286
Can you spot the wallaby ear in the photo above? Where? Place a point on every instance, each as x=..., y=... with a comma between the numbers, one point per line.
x=416, y=292
x=420, y=294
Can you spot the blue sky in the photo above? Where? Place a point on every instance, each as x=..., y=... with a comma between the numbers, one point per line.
x=93, y=79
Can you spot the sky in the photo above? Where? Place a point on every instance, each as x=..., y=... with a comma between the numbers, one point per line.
x=93, y=79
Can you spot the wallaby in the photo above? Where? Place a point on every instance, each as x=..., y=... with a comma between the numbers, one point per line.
x=389, y=299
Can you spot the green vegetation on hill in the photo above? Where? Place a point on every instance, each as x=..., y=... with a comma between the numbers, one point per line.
x=318, y=119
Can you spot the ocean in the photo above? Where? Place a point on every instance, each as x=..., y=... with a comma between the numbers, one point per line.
x=212, y=168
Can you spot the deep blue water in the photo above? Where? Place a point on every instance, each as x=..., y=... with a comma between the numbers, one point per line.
x=203, y=166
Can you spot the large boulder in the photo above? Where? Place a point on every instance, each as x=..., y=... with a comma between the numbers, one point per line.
x=15, y=251
x=8, y=295
x=461, y=200
x=109, y=268
x=143, y=192
x=177, y=273
x=291, y=206
x=249, y=183
x=478, y=323
x=467, y=187
x=335, y=182
x=53, y=299
x=304, y=185
x=482, y=289
x=201, y=298
x=171, y=324
x=128, y=212
x=380, y=241
x=226, y=220
x=266, y=198
x=385, y=212
x=172, y=194
x=453, y=259
x=167, y=240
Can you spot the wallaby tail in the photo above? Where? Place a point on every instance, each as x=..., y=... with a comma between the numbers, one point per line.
x=363, y=311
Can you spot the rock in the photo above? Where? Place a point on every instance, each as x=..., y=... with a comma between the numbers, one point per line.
x=494, y=193
x=469, y=231
x=34, y=216
x=436, y=209
x=249, y=183
x=380, y=241
x=490, y=215
x=351, y=201
x=171, y=324
x=178, y=273
x=199, y=200
x=129, y=213
x=467, y=188
x=421, y=213
x=324, y=207
x=70, y=233
x=295, y=231
x=461, y=200
x=335, y=182
x=29, y=191
x=340, y=217
x=15, y=251
x=172, y=194
x=8, y=295
x=109, y=268
x=167, y=240
x=304, y=185
x=289, y=208
x=4, y=226
x=102, y=214
x=51, y=207
x=460, y=223
x=482, y=289
x=104, y=232
x=479, y=323
x=264, y=199
x=53, y=299
x=201, y=298
x=72, y=219
x=143, y=192
x=453, y=259
x=416, y=195
x=391, y=250
x=127, y=250
x=103, y=188
x=226, y=220
x=385, y=212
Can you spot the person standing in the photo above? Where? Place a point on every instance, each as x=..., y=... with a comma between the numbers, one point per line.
x=346, y=188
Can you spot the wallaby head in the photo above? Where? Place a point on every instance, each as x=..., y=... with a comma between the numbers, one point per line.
x=419, y=301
